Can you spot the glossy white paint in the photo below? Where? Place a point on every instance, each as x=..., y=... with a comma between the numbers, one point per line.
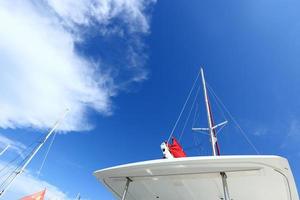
x=197, y=178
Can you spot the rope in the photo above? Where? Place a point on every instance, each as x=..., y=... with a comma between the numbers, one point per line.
x=183, y=108
x=46, y=155
x=235, y=122
x=190, y=112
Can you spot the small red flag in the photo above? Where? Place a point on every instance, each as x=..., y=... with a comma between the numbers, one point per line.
x=36, y=196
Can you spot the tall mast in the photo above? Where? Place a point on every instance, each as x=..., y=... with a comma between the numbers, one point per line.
x=213, y=136
x=19, y=172
x=211, y=127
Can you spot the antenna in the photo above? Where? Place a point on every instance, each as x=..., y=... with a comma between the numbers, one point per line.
x=18, y=172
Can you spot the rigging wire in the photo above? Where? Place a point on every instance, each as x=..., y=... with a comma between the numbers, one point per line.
x=220, y=128
x=17, y=170
x=46, y=155
x=9, y=171
x=196, y=115
x=14, y=173
x=14, y=170
x=219, y=108
x=183, y=108
x=196, y=140
x=217, y=103
x=22, y=165
x=18, y=167
x=234, y=121
x=8, y=164
x=190, y=112
x=9, y=168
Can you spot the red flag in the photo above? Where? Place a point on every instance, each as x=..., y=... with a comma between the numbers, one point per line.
x=176, y=149
x=36, y=196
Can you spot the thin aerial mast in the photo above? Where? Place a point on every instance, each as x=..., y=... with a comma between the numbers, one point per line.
x=21, y=170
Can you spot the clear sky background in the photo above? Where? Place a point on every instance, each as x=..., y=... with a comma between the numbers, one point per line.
x=125, y=69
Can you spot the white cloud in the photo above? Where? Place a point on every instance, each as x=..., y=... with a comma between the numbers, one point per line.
x=41, y=72
x=85, y=12
x=27, y=184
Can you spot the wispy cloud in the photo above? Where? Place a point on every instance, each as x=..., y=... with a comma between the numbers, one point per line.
x=292, y=137
x=42, y=72
x=90, y=12
x=261, y=131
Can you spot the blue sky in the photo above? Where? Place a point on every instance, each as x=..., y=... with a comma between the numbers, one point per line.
x=136, y=72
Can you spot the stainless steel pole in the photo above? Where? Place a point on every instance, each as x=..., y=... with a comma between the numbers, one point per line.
x=126, y=188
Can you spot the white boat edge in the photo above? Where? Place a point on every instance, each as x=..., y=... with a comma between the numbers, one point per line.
x=198, y=165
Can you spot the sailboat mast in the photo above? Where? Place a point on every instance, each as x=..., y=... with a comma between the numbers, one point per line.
x=214, y=143
x=19, y=172
x=209, y=117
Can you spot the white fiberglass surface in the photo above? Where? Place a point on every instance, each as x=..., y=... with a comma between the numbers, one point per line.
x=262, y=184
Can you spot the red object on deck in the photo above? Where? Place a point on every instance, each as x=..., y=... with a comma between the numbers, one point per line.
x=176, y=149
